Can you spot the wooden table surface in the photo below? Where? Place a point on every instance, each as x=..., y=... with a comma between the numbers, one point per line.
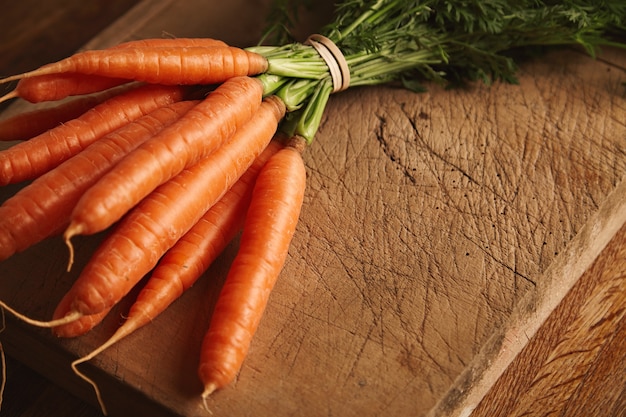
x=455, y=248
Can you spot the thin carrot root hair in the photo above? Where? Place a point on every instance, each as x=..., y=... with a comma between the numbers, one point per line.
x=70, y=249
x=75, y=315
x=121, y=332
x=90, y=381
x=208, y=390
x=8, y=96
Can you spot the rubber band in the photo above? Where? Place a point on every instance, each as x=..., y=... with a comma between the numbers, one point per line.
x=334, y=59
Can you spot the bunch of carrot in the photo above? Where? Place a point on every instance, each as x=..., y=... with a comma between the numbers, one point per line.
x=175, y=145
x=174, y=148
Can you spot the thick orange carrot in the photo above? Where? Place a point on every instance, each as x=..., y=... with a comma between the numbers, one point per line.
x=153, y=226
x=194, y=136
x=182, y=264
x=43, y=207
x=159, y=65
x=28, y=124
x=270, y=224
x=29, y=159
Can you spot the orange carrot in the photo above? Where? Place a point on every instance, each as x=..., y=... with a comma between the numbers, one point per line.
x=43, y=207
x=57, y=86
x=28, y=124
x=270, y=224
x=194, y=136
x=159, y=65
x=29, y=159
x=51, y=87
x=170, y=42
x=153, y=226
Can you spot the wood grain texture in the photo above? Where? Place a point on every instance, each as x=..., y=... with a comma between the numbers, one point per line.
x=575, y=364
x=429, y=218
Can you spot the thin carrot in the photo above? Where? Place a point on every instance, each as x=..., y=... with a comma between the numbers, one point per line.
x=153, y=226
x=179, y=268
x=194, y=136
x=29, y=159
x=159, y=65
x=43, y=207
x=170, y=42
x=269, y=227
x=28, y=124
x=52, y=87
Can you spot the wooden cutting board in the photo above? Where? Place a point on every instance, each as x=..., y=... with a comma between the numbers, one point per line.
x=439, y=232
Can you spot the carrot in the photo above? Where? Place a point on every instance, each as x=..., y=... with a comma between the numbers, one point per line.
x=195, y=135
x=268, y=229
x=27, y=160
x=51, y=87
x=179, y=268
x=153, y=226
x=159, y=65
x=28, y=124
x=170, y=42
x=43, y=207
x=57, y=86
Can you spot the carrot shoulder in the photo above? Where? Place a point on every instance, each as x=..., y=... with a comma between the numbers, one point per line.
x=197, y=134
x=270, y=224
x=27, y=160
x=152, y=227
x=43, y=207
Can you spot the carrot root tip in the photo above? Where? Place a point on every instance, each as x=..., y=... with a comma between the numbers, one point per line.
x=68, y=318
x=208, y=390
x=71, y=231
x=9, y=96
x=70, y=260
x=89, y=381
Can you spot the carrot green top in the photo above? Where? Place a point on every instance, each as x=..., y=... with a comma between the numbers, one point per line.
x=412, y=41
